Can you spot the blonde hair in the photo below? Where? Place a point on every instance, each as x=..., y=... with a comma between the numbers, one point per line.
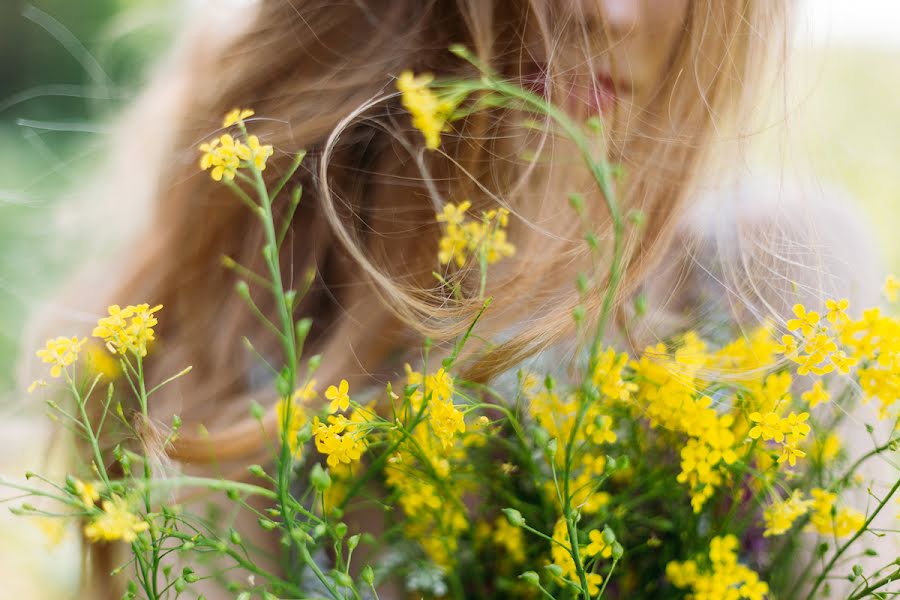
x=320, y=77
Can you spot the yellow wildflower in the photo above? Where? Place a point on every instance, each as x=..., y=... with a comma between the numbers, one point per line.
x=223, y=156
x=806, y=321
x=454, y=214
x=87, y=492
x=780, y=516
x=60, y=352
x=429, y=113
x=116, y=522
x=237, y=116
x=340, y=440
x=844, y=521
x=256, y=153
x=446, y=421
x=726, y=579
x=597, y=547
x=128, y=329
x=816, y=395
x=768, y=427
x=891, y=288
x=837, y=311
x=790, y=452
x=339, y=396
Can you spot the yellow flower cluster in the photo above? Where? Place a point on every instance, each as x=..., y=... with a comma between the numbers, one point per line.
x=342, y=440
x=818, y=353
x=225, y=154
x=825, y=518
x=419, y=472
x=828, y=520
x=780, y=516
x=464, y=238
x=116, y=522
x=444, y=418
x=788, y=431
x=874, y=341
x=557, y=416
x=723, y=579
x=669, y=396
x=60, y=352
x=128, y=329
x=429, y=113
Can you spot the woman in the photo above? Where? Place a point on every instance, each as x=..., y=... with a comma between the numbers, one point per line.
x=674, y=82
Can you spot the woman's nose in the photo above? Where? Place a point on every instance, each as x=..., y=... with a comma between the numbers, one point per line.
x=619, y=17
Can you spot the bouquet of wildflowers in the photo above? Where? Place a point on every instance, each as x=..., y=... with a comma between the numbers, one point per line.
x=647, y=476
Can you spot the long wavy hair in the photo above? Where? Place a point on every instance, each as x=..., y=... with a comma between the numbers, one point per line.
x=320, y=77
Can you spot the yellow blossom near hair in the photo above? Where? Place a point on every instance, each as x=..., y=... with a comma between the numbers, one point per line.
x=607, y=376
x=115, y=522
x=237, y=116
x=60, y=352
x=780, y=516
x=816, y=395
x=87, y=492
x=296, y=420
x=222, y=155
x=891, y=288
x=128, y=329
x=339, y=396
x=454, y=214
x=256, y=153
x=806, y=321
x=429, y=113
x=464, y=238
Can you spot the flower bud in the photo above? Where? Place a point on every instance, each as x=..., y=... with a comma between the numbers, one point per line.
x=368, y=575
x=514, y=517
x=319, y=478
x=353, y=542
x=608, y=536
x=530, y=577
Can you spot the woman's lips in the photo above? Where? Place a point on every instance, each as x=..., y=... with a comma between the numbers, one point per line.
x=598, y=95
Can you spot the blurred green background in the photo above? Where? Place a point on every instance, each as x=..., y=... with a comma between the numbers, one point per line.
x=69, y=64
x=66, y=66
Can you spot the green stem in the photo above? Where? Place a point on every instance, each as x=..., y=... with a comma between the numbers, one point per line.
x=874, y=586
x=847, y=544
